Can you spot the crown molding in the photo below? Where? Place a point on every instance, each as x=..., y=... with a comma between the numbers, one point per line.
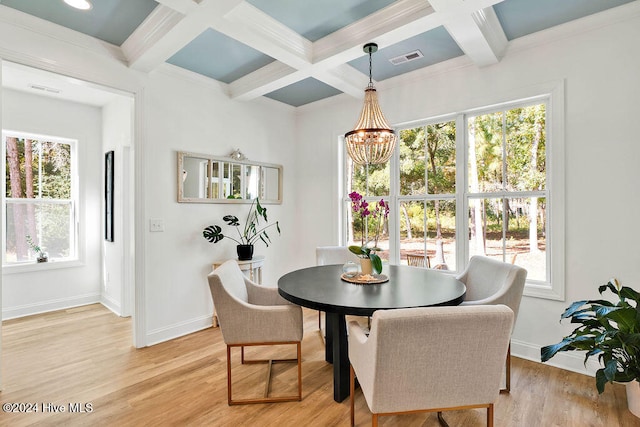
x=16, y=18
x=150, y=32
x=193, y=77
x=570, y=29
x=176, y=72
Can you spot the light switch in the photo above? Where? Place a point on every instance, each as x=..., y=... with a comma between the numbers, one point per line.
x=156, y=225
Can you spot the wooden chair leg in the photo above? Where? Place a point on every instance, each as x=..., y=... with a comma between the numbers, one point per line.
x=490, y=415
x=352, y=399
x=270, y=362
x=374, y=420
x=507, y=388
x=229, y=375
x=441, y=420
x=299, y=370
x=509, y=368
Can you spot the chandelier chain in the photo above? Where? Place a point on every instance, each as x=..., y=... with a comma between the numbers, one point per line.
x=370, y=78
x=372, y=141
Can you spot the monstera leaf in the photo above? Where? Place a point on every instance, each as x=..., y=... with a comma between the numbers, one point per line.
x=231, y=220
x=253, y=230
x=213, y=233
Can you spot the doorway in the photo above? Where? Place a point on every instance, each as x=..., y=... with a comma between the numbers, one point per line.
x=101, y=119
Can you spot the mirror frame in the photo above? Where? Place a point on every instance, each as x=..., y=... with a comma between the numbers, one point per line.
x=183, y=199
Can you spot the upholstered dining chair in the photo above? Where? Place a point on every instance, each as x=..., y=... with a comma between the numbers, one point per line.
x=253, y=315
x=489, y=282
x=430, y=359
x=327, y=255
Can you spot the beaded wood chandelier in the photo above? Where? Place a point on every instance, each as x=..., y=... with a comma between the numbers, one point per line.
x=372, y=141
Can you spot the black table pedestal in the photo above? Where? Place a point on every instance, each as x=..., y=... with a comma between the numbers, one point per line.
x=321, y=288
x=336, y=352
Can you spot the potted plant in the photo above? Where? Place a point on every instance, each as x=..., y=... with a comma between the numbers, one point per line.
x=251, y=232
x=370, y=261
x=612, y=333
x=42, y=256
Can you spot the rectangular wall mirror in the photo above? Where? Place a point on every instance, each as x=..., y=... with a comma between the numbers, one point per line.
x=210, y=179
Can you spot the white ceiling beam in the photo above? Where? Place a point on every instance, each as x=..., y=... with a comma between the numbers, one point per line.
x=331, y=53
x=271, y=77
x=476, y=31
x=182, y=6
x=396, y=22
x=276, y=75
x=254, y=28
x=141, y=47
x=166, y=31
x=345, y=78
x=175, y=23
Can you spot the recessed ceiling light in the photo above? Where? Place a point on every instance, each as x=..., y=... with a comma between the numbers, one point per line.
x=79, y=4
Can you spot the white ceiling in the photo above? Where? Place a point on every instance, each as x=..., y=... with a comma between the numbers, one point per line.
x=44, y=83
x=300, y=51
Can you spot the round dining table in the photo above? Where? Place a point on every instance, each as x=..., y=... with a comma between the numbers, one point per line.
x=322, y=288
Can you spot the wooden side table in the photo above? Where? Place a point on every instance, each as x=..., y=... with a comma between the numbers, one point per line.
x=251, y=268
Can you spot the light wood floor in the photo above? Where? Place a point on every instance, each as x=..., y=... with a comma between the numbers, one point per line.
x=84, y=356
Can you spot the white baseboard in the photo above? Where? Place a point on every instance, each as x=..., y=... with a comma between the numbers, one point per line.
x=167, y=333
x=111, y=304
x=51, y=305
x=568, y=360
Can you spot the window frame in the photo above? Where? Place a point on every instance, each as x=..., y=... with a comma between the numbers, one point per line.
x=552, y=95
x=74, y=258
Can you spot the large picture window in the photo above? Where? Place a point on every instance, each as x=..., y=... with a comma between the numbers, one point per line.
x=39, y=198
x=474, y=183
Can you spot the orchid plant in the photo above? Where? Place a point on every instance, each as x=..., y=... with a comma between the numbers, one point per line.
x=380, y=213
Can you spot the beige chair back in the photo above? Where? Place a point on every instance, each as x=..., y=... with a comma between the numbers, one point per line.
x=490, y=281
x=434, y=357
x=252, y=315
x=327, y=255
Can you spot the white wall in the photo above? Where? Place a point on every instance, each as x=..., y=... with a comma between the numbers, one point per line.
x=43, y=288
x=174, y=111
x=187, y=115
x=117, y=119
x=600, y=65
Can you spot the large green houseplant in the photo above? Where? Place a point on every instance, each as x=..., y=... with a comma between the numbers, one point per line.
x=255, y=228
x=607, y=330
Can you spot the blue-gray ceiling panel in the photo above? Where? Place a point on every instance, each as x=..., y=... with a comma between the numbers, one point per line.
x=220, y=57
x=303, y=92
x=436, y=45
x=110, y=20
x=316, y=19
x=521, y=17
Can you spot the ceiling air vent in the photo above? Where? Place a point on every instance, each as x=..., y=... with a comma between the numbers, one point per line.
x=44, y=88
x=406, y=57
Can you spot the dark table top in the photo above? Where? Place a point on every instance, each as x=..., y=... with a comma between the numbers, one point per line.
x=322, y=289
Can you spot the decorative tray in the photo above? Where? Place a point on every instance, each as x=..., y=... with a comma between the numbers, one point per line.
x=365, y=279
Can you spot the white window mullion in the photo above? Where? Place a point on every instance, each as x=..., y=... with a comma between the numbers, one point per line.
x=61, y=212
x=394, y=214
x=462, y=188
x=551, y=286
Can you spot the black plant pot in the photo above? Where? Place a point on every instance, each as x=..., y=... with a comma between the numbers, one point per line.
x=245, y=252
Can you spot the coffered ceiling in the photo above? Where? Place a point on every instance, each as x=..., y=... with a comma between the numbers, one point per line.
x=301, y=51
